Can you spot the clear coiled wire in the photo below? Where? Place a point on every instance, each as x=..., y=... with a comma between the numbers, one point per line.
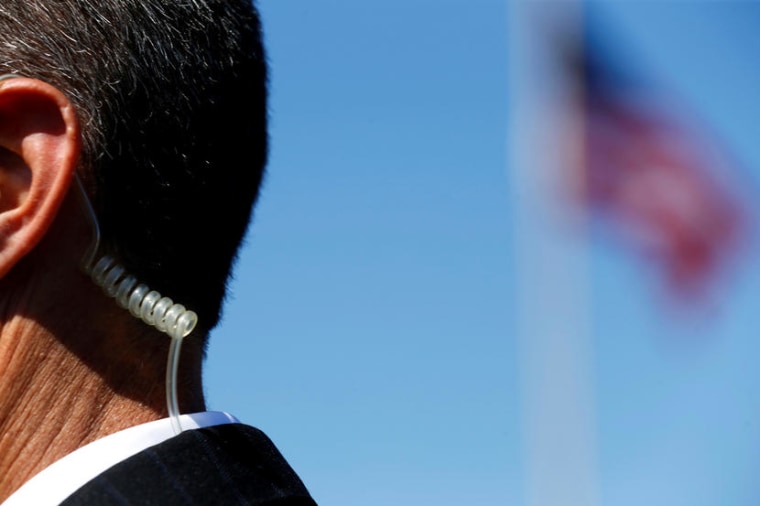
x=143, y=303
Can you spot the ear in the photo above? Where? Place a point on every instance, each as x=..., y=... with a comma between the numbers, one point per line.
x=39, y=151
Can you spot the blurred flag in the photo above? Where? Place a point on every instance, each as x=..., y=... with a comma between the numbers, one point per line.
x=654, y=180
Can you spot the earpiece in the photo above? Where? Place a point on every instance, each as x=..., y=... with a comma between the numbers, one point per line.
x=144, y=303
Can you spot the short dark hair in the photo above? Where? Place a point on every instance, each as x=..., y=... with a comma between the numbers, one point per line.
x=172, y=100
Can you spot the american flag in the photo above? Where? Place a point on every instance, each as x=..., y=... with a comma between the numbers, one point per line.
x=654, y=180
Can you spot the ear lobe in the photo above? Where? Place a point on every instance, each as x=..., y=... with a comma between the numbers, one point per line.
x=39, y=151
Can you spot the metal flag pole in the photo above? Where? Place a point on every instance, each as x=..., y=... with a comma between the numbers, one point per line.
x=552, y=271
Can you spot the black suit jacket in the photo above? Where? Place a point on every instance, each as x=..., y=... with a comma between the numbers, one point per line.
x=226, y=464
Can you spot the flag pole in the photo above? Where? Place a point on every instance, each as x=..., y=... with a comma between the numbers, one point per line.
x=552, y=269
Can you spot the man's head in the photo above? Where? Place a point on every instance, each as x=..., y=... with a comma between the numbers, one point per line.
x=171, y=102
x=160, y=108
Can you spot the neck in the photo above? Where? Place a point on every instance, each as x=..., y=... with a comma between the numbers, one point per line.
x=69, y=377
x=56, y=408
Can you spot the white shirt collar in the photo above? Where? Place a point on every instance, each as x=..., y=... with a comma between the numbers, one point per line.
x=55, y=483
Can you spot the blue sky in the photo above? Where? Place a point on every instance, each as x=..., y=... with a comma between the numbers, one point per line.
x=371, y=330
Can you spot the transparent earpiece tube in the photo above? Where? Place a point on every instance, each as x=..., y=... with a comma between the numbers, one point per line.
x=144, y=303
x=172, y=403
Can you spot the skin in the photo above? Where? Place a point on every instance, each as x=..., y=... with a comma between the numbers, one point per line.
x=74, y=366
